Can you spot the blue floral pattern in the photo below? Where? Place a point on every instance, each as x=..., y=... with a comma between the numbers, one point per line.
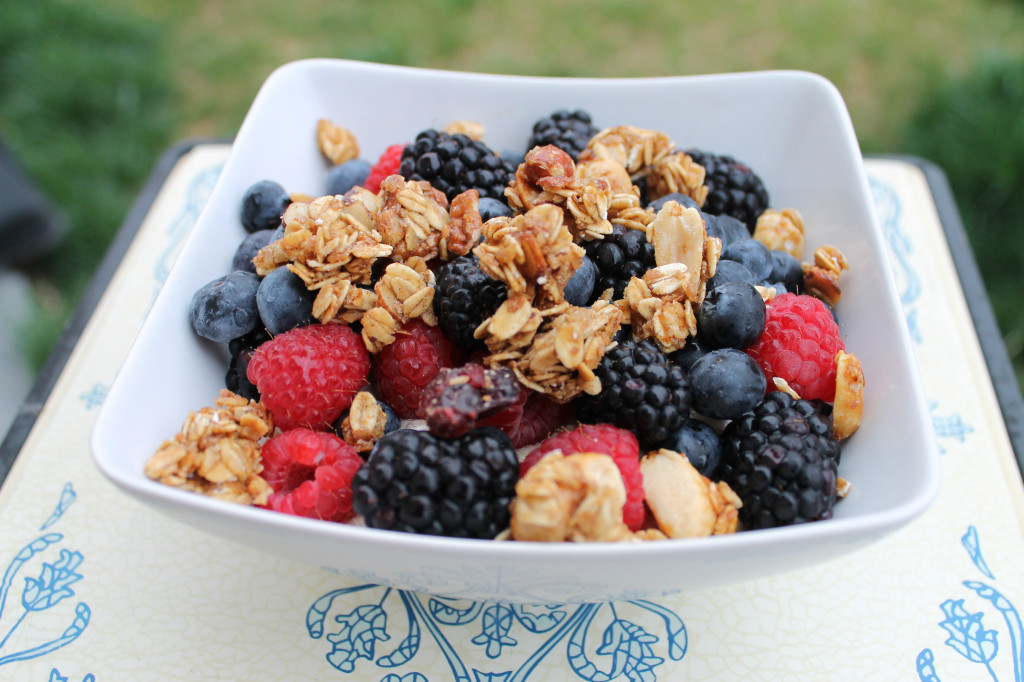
x=967, y=633
x=43, y=593
x=600, y=642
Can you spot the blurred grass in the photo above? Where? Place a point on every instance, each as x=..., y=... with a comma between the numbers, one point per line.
x=91, y=93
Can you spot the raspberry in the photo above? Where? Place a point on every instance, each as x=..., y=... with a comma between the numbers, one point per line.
x=541, y=415
x=799, y=344
x=311, y=473
x=402, y=369
x=309, y=375
x=619, y=444
x=386, y=165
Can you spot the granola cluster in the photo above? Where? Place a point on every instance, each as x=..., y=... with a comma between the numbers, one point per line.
x=217, y=452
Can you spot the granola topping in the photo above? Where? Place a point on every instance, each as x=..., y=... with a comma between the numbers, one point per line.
x=217, y=452
x=365, y=422
x=821, y=278
x=677, y=172
x=404, y=292
x=336, y=143
x=782, y=230
x=849, y=402
x=685, y=503
x=412, y=218
x=636, y=149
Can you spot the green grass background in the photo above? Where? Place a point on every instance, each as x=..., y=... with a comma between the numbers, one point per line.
x=92, y=92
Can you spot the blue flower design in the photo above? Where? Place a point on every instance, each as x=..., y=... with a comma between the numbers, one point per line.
x=967, y=634
x=621, y=648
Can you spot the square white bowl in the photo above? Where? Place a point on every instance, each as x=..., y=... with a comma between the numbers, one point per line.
x=791, y=127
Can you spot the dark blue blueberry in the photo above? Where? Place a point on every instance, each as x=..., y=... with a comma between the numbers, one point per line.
x=726, y=228
x=262, y=206
x=678, y=197
x=284, y=302
x=694, y=349
x=731, y=271
x=490, y=207
x=581, y=285
x=248, y=248
x=237, y=379
x=786, y=270
x=345, y=176
x=225, y=308
x=731, y=316
x=700, y=443
x=725, y=383
x=751, y=253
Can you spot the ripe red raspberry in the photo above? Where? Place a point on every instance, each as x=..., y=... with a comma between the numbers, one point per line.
x=621, y=445
x=311, y=474
x=402, y=369
x=541, y=415
x=308, y=376
x=386, y=165
x=799, y=344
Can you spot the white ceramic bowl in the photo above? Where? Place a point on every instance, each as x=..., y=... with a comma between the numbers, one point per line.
x=792, y=127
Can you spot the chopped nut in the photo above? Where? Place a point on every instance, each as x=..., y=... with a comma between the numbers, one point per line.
x=783, y=385
x=217, y=452
x=782, y=230
x=464, y=226
x=532, y=253
x=637, y=149
x=685, y=503
x=677, y=173
x=849, y=402
x=365, y=422
x=471, y=129
x=822, y=278
x=336, y=143
x=412, y=218
x=578, y=498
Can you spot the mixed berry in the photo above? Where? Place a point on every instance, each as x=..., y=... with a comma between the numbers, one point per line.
x=566, y=343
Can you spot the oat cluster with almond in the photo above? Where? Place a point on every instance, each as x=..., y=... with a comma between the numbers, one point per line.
x=596, y=289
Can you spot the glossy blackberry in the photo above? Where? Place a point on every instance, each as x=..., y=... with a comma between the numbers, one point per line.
x=241, y=349
x=641, y=391
x=733, y=188
x=418, y=483
x=465, y=296
x=621, y=255
x=781, y=459
x=568, y=130
x=455, y=163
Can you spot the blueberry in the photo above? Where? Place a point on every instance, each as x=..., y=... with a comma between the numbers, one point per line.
x=731, y=271
x=731, y=316
x=262, y=206
x=726, y=228
x=284, y=302
x=490, y=207
x=581, y=284
x=226, y=307
x=700, y=443
x=237, y=379
x=751, y=253
x=786, y=270
x=678, y=197
x=345, y=176
x=695, y=348
x=246, y=251
x=725, y=383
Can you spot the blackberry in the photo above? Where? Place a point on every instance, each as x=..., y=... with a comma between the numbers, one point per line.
x=464, y=297
x=418, y=483
x=241, y=349
x=781, y=459
x=641, y=391
x=733, y=188
x=619, y=256
x=570, y=131
x=454, y=163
